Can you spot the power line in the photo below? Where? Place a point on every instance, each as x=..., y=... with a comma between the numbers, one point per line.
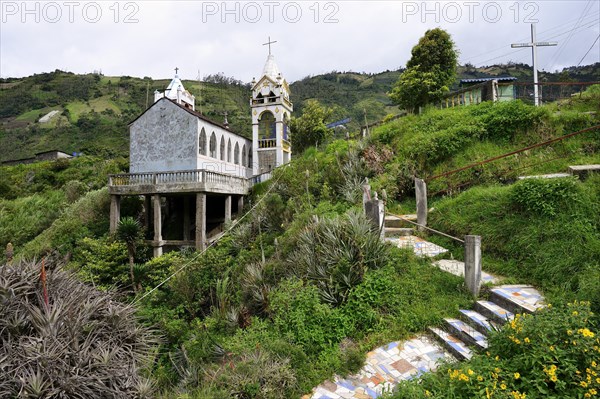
x=564, y=44
x=583, y=58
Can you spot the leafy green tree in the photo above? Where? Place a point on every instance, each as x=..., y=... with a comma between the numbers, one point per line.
x=130, y=232
x=430, y=71
x=309, y=129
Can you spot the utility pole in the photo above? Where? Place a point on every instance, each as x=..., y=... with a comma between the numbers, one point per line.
x=534, y=45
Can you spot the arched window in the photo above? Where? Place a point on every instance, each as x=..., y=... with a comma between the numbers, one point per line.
x=229, y=150
x=244, y=158
x=202, y=142
x=222, y=149
x=266, y=126
x=236, y=154
x=250, y=157
x=213, y=145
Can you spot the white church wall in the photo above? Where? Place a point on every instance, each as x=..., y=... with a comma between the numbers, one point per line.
x=163, y=139
x=222, y=162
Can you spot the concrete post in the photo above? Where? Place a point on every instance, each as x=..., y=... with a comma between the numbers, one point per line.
x=186, y=218
x=421, y=196
x=366, y=195
x=157, y=250
x=115, y=212
x=473, y=264
x=240, y=205
x=227, y=208
x=375, y=212
x=200, y=221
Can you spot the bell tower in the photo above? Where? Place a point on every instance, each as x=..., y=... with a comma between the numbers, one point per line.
x=271, y=111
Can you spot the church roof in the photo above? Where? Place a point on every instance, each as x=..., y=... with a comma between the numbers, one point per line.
x=271, y=69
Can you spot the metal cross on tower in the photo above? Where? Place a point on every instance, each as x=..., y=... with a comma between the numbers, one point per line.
x=268, y=43
x=534, y=45
x=176, y=70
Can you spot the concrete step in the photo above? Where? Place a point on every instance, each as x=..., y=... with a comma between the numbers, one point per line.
x=583, y=171
x=478, y=321
x=493, y=312
x=398, y=231
x=395, y=221
x=548, y=176
x=517, y=298
x=454, y=345
x=466, y=333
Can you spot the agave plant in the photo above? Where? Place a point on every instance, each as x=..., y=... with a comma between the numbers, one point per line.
x=80, y=343
x=335, y=253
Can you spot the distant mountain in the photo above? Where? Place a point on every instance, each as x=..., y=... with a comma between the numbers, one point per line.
x=94, y=110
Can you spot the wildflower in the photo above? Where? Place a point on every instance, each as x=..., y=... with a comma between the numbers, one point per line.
x=463, y=377
x=503, y=386
x=427, y=393
x=480, y=378
x=583, y=384
x=470, y=372
x=517, y=376
x=553, y=378
x=527, y=340
x=552, y=348
x=594, y=364
x=575, y=313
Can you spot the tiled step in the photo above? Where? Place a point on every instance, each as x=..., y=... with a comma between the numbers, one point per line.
x=466, y=333
x=398, y=231
x=457, y=268
x=420, y=246
x=517, y=298
x=394, y=221
x=478, y=321
x=493, y=311
x=454, y=345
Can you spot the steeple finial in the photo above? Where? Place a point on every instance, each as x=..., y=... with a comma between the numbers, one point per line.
x=268, y=43
x=176, y=70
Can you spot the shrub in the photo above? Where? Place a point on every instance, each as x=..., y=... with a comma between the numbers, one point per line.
x=544, y=196
x=61, y=338
x=335, y=253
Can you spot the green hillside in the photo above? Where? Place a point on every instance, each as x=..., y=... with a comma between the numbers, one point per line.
x=95, y=109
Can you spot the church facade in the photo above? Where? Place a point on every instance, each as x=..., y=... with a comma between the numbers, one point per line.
x=192, y=172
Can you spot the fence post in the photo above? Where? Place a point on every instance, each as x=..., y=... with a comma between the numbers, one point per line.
x=421, y=197
x=473, y=264
x=375, y=213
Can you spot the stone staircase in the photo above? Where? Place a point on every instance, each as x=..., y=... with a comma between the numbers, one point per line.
x=457, y=340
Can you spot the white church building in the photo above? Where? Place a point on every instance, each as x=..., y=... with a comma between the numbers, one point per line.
x=192, y=172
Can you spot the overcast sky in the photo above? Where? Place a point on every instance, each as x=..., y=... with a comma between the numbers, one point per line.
x=151, y=38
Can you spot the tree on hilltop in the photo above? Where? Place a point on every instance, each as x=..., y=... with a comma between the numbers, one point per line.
x=429, y=73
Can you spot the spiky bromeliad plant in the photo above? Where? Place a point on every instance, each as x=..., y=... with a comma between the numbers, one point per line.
x=72, y=342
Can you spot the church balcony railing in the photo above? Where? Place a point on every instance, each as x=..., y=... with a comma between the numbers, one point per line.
x=265, y=100
x=267, y=143
x=182, y=180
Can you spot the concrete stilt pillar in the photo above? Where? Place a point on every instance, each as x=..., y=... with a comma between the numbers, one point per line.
x=157, y=244
x=421, y=196
x=200, y=221
x=186, y=218
x=115, y=212
x=473, y=264
x=240, y=205
x=227, y=208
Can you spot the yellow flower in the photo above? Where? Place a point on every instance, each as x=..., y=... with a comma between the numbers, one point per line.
x=575, y=313
x=503, y=386
x=569, y=332
x=583, y=384
x=517, y=376
x=427, y=393
x=470, y=372
x=593, y=391
x=527, y=340
x=552, y=348
x=463, y=377
x=480, y=378
x=594, y=364
x=553, y=378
